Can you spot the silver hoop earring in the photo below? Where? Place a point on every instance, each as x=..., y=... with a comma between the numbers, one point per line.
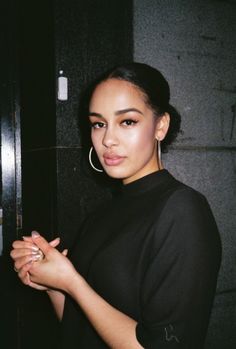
x=159, y=153
x=91, y=163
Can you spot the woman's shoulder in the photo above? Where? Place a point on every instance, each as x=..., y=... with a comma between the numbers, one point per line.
x=181, y=203
x=174, y=191
x=186, y=222
x=181, y=194
x=188, y=211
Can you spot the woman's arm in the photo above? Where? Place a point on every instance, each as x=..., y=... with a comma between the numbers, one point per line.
x=24, y=253
x=56, y=297
x=116, y=328
x=55, y=270
x=58, y=300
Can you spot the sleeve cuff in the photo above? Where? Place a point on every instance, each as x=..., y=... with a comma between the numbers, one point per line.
x=159, y=336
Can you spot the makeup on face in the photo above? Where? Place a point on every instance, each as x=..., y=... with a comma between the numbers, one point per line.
x=123, y=130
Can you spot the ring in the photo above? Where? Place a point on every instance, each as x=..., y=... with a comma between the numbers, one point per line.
x=41, y=255
x=16, y=270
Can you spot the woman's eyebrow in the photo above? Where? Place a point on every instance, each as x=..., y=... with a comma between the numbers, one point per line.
x=118, y=112
x=127, y=110
x=94, y=114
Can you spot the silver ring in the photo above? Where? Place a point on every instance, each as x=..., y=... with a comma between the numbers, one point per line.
x=41, y=255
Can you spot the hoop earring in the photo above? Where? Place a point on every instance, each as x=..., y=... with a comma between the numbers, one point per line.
x=91, y=163
x=159, y=153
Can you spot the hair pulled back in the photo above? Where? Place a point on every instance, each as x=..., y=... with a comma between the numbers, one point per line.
x=155, y=89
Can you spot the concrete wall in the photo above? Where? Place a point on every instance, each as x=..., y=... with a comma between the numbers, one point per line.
x=193, y=43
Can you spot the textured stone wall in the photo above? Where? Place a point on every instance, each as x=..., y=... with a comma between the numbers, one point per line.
x=90, y=37
x=193, y=44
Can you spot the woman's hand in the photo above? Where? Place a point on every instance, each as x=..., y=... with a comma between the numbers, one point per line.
x=24, y=253
x=54, y=270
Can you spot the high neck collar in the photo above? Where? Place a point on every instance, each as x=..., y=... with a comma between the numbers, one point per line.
x=146, y=183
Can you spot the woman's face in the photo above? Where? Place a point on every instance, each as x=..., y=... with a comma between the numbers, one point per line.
x=123, y=131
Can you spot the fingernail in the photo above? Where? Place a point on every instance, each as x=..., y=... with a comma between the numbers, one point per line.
x=34, y=253
x=41, y=253
x=35, y=234
x=36, y=257
x=34, y=248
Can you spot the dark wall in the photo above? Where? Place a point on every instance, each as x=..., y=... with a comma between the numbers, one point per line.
x=82, y=38
x=193, y=44
x=91, y=36
x=38, y=114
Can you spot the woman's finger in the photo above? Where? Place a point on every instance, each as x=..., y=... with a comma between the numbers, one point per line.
x=27, y=238
x=41, y=242
x=37, y=286
x=52, y=243
x=24, y=244
x=21, y=262
x=21, y=252
x=64, y=252
x=23, y=274
x=26, y=251
x=55, y=242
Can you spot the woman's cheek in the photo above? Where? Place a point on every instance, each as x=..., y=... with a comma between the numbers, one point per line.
x=139, y=139
x=96, y=138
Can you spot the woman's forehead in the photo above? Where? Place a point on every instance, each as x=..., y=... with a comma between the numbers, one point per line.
x=114, y=91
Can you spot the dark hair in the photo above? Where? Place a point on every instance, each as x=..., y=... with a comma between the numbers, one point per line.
x=155, y=89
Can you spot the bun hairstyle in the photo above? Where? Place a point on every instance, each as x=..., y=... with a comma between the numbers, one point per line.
x=155, y=89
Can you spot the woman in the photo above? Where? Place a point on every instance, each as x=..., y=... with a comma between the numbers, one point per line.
x=143, y=271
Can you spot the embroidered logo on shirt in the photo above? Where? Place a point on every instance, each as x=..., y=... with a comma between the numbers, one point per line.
x=169, y=330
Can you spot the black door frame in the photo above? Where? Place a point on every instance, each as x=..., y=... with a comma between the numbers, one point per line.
x=10, y=171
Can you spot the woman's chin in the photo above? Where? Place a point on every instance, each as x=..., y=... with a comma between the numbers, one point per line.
x=114, y=172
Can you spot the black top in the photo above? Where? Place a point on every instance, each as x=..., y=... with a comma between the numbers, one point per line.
x=153, y=252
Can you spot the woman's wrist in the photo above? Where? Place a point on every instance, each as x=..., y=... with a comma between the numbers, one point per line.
x=76, y=281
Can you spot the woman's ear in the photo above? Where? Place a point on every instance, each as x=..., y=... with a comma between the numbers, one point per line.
x=162, y=126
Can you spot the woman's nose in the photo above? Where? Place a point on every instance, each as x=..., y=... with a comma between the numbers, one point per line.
x=110, y=138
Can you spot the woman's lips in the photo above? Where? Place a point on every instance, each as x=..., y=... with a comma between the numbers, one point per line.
x=112, y=160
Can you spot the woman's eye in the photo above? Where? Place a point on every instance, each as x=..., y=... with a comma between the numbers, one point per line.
x=97, y=124
x=129, y=122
